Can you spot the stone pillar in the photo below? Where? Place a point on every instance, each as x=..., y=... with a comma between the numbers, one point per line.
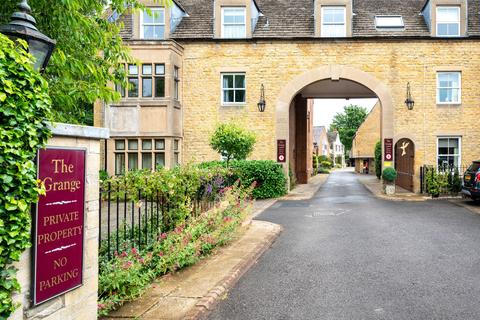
x=80, y=303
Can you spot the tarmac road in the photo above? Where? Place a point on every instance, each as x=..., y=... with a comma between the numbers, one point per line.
x=347, y=255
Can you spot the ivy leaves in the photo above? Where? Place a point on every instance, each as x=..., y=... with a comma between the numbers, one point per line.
x=24, y=112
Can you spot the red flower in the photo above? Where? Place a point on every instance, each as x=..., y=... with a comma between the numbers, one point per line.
x=163, y=235
x=160, y=254
x=134, y=251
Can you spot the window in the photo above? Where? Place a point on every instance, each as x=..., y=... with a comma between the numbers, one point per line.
x=176, y=83
x=448, y=87
x=389, y=22
x=153, y=25
x=159, y=80
x=147, y=80
x=147, y=152
x=448, y=152
x=132, y=81
x=234, y=22
x=233, y=88
x=448, y=21
x=333, y=22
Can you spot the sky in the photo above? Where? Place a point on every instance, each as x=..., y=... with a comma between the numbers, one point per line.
x=325, y=109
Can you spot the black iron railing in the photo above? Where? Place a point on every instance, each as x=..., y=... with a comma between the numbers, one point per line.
x=126, y=223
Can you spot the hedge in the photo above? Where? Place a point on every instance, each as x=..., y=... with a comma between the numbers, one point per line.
x=268, y=175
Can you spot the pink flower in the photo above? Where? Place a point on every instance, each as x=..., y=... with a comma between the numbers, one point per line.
x=101, y=306
x=123, y=254
x=127, y=265
x=163, y=235
x=134, y=251
x=160, y=254
x=141, y=260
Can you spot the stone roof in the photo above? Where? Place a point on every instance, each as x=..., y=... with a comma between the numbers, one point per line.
x=317, y=132
x=295, y=18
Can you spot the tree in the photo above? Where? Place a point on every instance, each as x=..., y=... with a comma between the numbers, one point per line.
x=88, y=55
x=347, y=124
x=232, y=141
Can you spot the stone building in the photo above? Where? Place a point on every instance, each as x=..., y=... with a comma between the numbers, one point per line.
x=364, y=141
x=218, y=54
x=321, y=146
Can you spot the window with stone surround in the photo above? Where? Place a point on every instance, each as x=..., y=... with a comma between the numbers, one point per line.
x=448, y=21
x=233, y=88
x=234, y=22
x=176, y=82
x=448, y=152
x=151, y=78
x=152, y=24
x=449, y=87
x=333, y=21
x=139, y=153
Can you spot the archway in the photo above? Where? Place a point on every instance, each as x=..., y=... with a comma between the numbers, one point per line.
x=317, y=81
x=404, y=163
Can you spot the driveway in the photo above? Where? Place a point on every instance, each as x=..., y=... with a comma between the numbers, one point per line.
x=347, y=255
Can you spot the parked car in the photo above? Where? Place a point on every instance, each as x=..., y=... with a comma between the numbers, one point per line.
x=471, y=181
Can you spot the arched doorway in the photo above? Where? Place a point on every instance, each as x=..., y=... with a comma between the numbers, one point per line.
x=344, y=82
x=404, y=163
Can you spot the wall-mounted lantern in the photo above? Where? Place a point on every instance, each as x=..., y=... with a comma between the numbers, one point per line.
x=22, y=26
x=409, y=101
x=262, y=104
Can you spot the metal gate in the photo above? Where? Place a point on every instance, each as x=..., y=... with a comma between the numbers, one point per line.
x=404, y=163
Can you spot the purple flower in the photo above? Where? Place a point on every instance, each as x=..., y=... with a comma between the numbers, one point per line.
x=209, y=189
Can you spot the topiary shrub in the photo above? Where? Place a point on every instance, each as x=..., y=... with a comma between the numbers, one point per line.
x=25, y=109
x=378, y=159
x=389, y=175
x=326, y=164
x=232, y=141
x=315, y=164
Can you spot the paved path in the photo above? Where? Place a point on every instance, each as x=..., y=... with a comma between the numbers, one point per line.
x=347, y=255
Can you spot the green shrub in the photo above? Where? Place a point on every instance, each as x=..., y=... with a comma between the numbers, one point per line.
x=326, y=164
x=323, y=158
x=436, y=183
x=324, y=171
x=378, y=159
x=454, y=182
x=232, y=141
x=268, y=175
x=389, y=174
x=103, y=175
x=338, y=160
x=315, y=164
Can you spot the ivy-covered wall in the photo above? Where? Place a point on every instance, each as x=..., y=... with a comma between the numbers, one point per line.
x=24, y=114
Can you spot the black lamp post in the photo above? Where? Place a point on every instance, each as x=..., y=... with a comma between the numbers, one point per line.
x=22, y=26
x=409, y=101
x=262, y=104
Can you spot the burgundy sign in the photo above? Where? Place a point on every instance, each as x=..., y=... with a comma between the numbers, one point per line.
x=59, y=223
x=388, y=149
x=281, y=150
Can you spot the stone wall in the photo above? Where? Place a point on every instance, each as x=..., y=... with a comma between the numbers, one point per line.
x=363, y=145
x=275, y=63
x=81, y=303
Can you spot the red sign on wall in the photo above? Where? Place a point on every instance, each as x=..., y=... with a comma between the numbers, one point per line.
x=388, y=149
x=59, y=223
x=281, y=150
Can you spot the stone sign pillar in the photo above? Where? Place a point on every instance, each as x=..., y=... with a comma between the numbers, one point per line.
x=59, y=274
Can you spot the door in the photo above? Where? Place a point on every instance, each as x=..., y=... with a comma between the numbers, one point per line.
x=404, y=163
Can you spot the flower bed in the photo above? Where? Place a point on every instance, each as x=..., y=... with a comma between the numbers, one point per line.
x=126, y=276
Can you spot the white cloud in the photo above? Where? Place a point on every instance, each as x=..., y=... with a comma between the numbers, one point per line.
x=325, y=109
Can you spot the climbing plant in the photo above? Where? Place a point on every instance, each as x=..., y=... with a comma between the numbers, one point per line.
x=24, y=113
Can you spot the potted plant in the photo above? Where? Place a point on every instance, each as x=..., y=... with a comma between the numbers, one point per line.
x=389, y=175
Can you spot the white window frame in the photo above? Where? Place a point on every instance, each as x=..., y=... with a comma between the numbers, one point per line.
x=459, y=150
x=437, y=22
x=223, y=103
x=142, y=24
x=459, y=88
x=244, y=9
x=322, y=31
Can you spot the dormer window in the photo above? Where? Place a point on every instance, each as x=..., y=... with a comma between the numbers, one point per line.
x=152, y=24
x=389, y=22
x=448, y=21
x=333, y=21
x=234, y=22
